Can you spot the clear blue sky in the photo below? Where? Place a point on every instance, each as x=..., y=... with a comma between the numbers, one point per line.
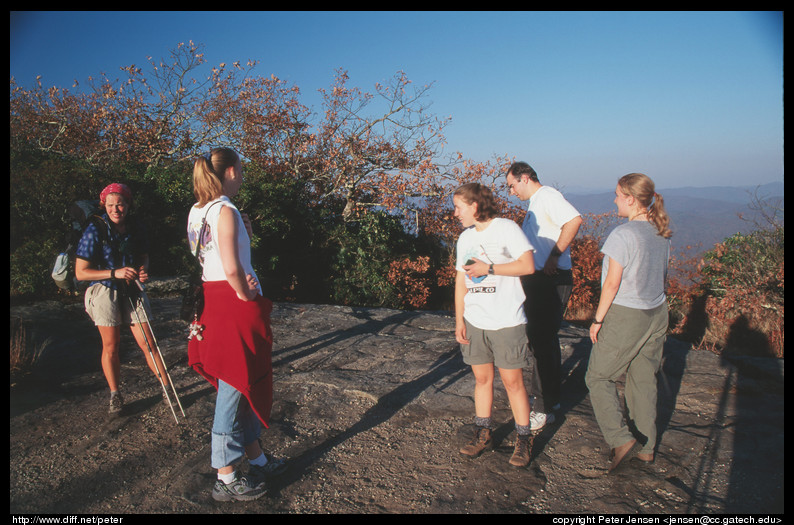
x=689, y=98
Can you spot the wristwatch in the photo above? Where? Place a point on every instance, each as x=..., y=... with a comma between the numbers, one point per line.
x=490, y=269
x=112, y=273
x=597, y=322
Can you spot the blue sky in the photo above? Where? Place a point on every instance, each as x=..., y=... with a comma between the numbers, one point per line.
x=689, y=98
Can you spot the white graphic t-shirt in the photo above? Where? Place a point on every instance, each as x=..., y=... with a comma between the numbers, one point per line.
x=493, y=302
x=209, y=255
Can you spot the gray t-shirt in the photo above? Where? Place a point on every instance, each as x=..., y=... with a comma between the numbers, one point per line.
x=643, y=254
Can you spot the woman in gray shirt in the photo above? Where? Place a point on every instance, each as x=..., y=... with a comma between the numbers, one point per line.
x=630, y=323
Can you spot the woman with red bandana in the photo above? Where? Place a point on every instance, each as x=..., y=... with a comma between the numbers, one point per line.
x=112, y=253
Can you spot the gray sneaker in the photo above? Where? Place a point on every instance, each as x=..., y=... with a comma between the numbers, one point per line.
x=241, y=489
x=116, y=403
x=273, y=467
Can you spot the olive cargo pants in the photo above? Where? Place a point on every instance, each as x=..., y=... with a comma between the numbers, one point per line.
x=631, y=342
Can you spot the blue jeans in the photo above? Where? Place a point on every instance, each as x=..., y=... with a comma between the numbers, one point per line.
x=235, y=426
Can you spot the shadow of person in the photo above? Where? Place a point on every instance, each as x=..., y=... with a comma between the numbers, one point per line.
x=668, y=382
x=697, y=320
x=674, y=360
x=747, y=425
x=756, y=477
x=743, y=340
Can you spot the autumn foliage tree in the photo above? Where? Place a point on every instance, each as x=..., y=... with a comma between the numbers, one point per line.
x=167, y=113
x=350, y=204
x=368, y=148
x=365, y=153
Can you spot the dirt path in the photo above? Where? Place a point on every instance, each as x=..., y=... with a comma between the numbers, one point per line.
x=371, y=408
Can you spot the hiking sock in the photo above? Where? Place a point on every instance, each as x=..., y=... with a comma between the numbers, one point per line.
x=522, y=430
x=484, y=422
x=226, y=478
x=261, y=461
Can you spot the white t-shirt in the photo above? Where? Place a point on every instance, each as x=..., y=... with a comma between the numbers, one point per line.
x=209, y=255
x=546, y=214
x=494, y=301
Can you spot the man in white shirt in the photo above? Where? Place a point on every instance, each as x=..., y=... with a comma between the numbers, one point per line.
x=550, y=225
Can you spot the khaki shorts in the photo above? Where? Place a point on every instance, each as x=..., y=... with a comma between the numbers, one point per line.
x=506, y=348
x=107, y=307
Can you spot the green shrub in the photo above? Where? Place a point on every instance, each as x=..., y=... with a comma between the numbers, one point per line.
x=743, y=293
x=43, y=186
x=363, y=252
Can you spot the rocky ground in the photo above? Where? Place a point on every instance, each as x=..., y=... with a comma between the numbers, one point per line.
x=371, y=408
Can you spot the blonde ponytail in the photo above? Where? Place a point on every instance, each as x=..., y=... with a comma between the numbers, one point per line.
x=642, y=188
x=658, y=216
x=208, y=172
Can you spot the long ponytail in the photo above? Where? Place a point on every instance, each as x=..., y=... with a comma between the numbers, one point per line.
x=658, y=216
x=642, y=188
x=208, y=173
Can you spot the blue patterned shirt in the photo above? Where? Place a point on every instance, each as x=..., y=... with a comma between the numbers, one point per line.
x=121, y=249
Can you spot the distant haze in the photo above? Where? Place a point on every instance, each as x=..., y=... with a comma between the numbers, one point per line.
x=699, y=215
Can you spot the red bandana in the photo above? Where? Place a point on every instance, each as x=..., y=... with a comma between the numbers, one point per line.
x=116, y=187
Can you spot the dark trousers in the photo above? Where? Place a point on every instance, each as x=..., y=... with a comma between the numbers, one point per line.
x=546, y=300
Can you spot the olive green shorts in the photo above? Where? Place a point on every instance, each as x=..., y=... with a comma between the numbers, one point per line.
x=506, y=348
x=107, y=307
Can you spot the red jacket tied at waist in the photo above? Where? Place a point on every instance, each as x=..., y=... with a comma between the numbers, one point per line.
x=237, y=345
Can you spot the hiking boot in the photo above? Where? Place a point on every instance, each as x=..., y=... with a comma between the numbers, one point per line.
x=273, y=467
x=538, y=420
x=520, y=456
x=480, y=442
x=241, y=489
x=116, y=403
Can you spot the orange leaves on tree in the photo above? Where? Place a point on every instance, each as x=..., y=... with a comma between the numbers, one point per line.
x=409, y=277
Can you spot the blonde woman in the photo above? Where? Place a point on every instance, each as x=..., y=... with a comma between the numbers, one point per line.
x=233, y=349
x=628, y=331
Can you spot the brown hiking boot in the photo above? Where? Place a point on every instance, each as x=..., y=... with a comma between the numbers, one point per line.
x=480, y=442
x=521, y=453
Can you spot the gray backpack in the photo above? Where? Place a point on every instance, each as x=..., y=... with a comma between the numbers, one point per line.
x=81, y=213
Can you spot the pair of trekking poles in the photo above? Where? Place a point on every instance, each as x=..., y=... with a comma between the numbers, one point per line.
x=151, y=353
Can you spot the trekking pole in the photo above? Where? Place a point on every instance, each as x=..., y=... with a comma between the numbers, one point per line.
x=157, y=346
x=151, y=354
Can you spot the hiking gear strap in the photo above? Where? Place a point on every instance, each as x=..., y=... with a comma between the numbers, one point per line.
x=193, y=301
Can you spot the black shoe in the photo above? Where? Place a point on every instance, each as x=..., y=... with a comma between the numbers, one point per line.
x=273, y=467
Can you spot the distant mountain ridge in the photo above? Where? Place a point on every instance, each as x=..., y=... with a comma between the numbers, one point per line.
x=704, y=216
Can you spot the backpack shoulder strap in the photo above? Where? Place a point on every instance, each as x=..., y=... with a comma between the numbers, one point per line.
x=102, y=227
x=203, y=228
